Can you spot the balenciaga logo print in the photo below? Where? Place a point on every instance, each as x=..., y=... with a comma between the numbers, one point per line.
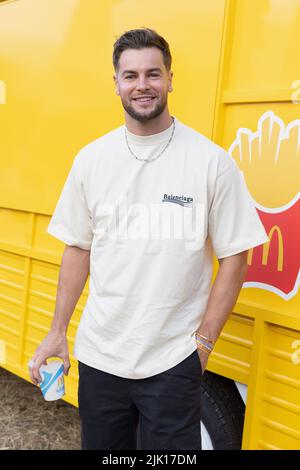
x=181, y=200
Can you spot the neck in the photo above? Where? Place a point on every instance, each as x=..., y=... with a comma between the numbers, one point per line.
x=153, y=126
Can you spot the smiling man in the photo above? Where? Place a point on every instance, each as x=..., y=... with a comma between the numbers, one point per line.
x=143, y=83
x=151, y=318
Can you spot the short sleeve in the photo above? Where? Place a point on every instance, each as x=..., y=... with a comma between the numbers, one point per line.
x=233, y=222
x=71, y=221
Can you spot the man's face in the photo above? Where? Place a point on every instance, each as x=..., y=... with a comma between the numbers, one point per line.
x=143, y=83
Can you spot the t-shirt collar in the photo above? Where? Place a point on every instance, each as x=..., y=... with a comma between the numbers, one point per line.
x=150, y=139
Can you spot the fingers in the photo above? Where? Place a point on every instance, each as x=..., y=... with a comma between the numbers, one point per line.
x=34, y=366
x=34, y=375
x=67, y=365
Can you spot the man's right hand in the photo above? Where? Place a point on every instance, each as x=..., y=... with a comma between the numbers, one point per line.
x=54, y=345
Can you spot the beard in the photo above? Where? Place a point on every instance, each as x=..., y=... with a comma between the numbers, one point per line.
x=145, y=116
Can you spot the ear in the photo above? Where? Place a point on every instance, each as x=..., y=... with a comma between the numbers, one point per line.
x=116, y=84
x=170, y=81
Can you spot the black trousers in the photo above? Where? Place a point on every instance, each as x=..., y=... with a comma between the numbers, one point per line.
x=166, y=407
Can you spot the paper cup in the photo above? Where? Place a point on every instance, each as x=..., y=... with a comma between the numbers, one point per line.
x=53, y=385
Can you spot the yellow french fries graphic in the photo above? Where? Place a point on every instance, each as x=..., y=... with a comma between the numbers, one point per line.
x=269, y=159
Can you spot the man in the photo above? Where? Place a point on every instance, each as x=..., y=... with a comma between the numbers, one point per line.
x=143, y=209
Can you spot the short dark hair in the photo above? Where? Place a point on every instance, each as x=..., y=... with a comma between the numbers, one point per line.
x=139, y=39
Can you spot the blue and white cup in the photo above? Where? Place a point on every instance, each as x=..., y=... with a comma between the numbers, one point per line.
x=53, y=385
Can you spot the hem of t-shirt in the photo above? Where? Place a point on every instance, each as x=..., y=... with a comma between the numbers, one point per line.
x=56, y=232
x=235, y=249
x=120, y=373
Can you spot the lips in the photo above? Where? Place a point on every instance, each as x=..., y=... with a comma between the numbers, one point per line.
x=144, y=99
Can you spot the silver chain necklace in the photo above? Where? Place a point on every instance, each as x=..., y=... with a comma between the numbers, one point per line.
x=154, y=158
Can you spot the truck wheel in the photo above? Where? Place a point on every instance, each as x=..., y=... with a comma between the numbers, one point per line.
x=223, y=412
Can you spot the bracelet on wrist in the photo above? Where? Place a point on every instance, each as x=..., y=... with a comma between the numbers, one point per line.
x=203, y=348
x=199, y=335
x=206, y=346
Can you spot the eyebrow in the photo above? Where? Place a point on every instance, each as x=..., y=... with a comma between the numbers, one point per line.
x=156, y=69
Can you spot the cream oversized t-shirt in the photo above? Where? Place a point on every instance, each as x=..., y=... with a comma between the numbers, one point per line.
x=152, y=228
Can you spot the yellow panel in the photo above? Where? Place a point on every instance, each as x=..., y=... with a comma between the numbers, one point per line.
x=60, y=91
x=42, y=240
x=266, y=43
x=232, y=353
x=11, y=275
x=11, y=349
x=12, y=270
x=16, y=227
x=278, y=424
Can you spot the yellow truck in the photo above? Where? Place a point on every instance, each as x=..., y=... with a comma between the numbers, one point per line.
x=237, y=81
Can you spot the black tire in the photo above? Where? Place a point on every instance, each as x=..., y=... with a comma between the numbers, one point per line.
x=223, y=411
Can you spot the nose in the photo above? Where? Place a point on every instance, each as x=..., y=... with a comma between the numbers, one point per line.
x=142, y=83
